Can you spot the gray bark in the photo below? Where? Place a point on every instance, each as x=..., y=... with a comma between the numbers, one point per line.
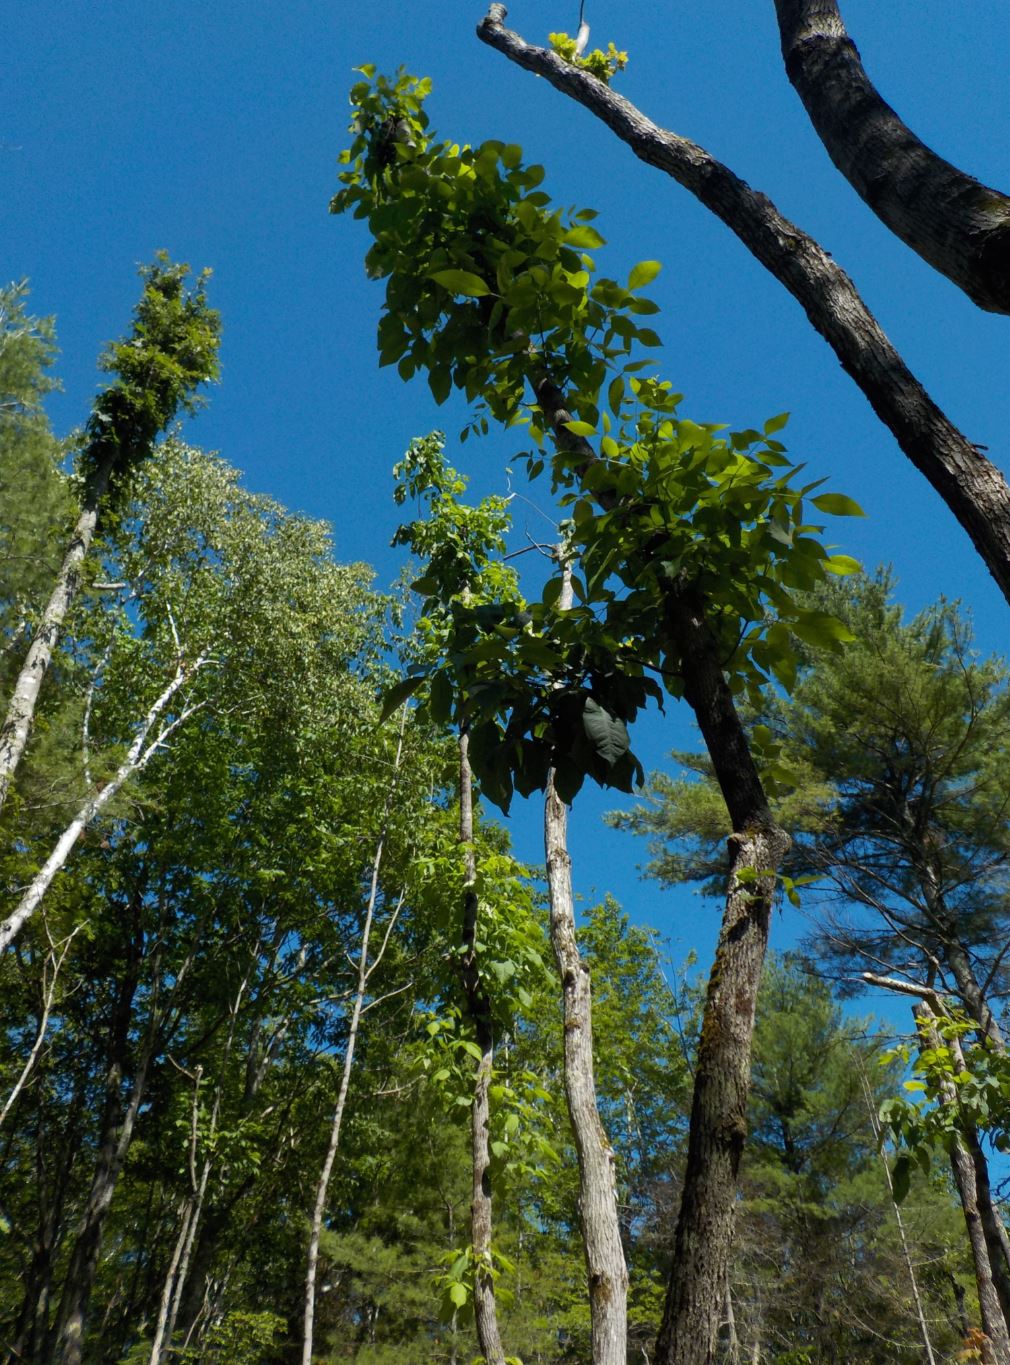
x=971, y=486
x=601, y=1234
x=960, y=226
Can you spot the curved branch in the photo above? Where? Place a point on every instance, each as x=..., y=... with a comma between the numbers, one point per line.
x=954, y=222
x=971, y=486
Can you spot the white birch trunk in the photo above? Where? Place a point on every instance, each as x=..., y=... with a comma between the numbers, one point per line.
x=21, y=707
x=136, y=759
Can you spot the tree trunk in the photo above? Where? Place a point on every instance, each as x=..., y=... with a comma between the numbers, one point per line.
x=722, y=1080
x=704, y=1235
x=137, y=758
x=116, y=1133
x=961, y=227
x=994, y=1320
x=971, y=485
x=479, y=1009
x=21, y=707
x=601, y=1234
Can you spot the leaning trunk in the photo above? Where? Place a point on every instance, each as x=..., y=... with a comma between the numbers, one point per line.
x=704, y=1236
x=479, y=1009
x=21, y=707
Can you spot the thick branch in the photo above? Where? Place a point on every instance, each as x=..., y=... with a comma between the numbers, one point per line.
x=970, y=485
x=960, y=226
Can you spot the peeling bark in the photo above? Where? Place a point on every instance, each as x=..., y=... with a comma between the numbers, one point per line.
x=971, y=486
x=954, y=222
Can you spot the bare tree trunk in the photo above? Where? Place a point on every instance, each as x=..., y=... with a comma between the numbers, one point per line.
x=601, y=1234
x=21, y=707
x=961, y=227
x=971, y=485
x=137, y=758
x=732, y=1340
x=365, y=971
x=479, y=1009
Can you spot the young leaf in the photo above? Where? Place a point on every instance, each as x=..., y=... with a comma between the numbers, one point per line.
x=838, y=505
x=644, y=273
x=461, y=282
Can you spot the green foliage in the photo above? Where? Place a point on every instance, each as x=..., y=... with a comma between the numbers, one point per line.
x=492, y=291
x=603, y=65
x=171, y=350
x=33, y=491
x=956, y=1087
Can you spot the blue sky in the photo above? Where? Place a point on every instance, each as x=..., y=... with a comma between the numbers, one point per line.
x=213, y=130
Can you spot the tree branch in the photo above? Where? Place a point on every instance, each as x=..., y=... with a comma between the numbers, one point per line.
x=971, y=486
x=958, y=225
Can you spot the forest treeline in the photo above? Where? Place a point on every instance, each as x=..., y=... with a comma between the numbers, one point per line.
x=260, y=933
x=298, y=1061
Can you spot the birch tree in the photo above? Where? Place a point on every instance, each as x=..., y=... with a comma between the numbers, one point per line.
x=171, y=350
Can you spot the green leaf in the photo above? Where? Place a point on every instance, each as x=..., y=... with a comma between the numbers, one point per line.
x=776, y=423
x=583, y=236
x=900, y=1178
x=821, y=629
x=461, y=282
x=607, y=734
x=580, y=428
x=457, y=1293
x=644, y=273
x=395, y=696
x=440, y=699
x=838, y=505
x=842, y=564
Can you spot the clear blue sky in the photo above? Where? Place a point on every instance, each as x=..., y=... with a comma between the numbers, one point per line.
x=213, y=131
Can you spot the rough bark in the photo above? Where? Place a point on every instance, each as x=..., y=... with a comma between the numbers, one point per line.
x=479, y=1009
x=960, y=226
x=601, y=1233
x=971, y=486
x=21, y=707
x=704, y=1235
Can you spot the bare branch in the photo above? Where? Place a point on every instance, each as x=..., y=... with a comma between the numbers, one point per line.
x=958, y=225
x=971, y=486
